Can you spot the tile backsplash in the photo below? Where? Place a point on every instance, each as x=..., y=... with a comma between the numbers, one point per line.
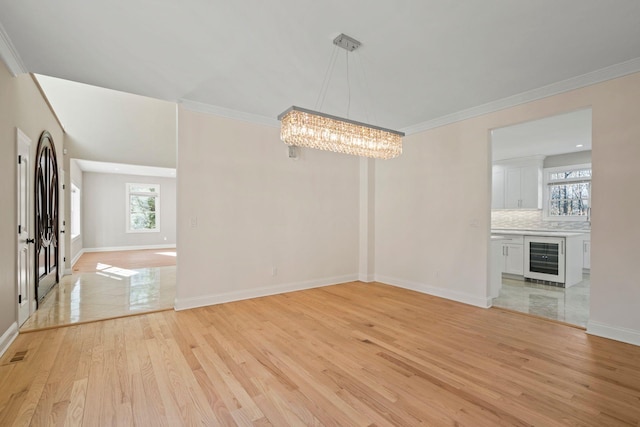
x=531, y=219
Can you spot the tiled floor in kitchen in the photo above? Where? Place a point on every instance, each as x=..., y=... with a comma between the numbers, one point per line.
x=569, y=305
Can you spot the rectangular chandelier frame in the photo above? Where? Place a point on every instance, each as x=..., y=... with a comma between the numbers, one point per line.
x=307, y=128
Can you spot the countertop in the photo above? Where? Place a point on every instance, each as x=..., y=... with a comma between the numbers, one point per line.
x=551, y=233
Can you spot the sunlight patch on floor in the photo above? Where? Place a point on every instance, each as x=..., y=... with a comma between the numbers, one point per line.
x=166, y=253
x=106, y=268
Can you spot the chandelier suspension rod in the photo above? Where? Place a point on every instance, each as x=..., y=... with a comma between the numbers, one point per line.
x=367, y=91
x=346, y=52
x=327, y=79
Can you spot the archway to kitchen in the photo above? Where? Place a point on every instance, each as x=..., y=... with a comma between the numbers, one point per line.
x=540, y=217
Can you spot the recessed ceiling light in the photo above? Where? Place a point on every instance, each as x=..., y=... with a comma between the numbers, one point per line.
x=579, y=145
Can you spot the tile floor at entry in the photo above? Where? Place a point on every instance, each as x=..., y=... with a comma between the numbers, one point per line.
x=570, y=305
x=114, y=292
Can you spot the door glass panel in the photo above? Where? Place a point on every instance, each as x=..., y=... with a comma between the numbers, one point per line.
x=42, y=258
x=543, y=257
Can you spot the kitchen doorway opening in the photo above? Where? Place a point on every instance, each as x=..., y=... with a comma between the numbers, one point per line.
x=540, y=217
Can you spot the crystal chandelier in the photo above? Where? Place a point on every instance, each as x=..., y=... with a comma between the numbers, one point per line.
x=312, y=129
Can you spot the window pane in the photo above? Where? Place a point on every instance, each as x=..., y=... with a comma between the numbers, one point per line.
x=569, y=191
x=142, y=188
x=142, y=203
x=75, y=210
x=143, y=221
x=566, y=207
x=570, y=174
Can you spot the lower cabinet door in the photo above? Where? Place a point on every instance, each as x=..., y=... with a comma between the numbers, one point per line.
x=514, y=259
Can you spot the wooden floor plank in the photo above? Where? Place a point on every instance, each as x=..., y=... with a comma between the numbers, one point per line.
x=347, y=355
x=91, y=262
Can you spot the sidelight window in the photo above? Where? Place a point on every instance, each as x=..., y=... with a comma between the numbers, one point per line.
x=75, y=211
x=143, y=208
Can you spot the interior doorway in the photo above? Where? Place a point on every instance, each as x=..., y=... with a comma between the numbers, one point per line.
x=540, y=217
x=121, y=247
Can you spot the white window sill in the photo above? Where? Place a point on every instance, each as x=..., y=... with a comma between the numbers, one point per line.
x=580, y=218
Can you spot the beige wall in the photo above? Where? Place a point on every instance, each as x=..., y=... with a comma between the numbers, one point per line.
x=7, y=193
x=22, y=106
x=433, y=204
x=432, y=214
x=244, y=208
x=104, y=212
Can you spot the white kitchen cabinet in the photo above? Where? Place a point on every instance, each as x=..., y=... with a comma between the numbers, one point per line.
x=586, y=254
x=514, y=259
x=497, y=188
x=522, y=188
x=517, y=184
x=496, y=267
x=513, y=254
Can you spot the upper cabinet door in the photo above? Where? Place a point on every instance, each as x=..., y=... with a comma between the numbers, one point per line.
x=512, y=193
x=517, y=184
x=530, y=187
x=497, y=189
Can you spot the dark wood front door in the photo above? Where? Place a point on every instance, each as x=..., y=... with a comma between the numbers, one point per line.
x=46, y=216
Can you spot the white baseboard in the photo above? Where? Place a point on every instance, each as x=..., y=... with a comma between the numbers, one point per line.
x=630, y=336
x=458, y=296
x=7, y=338
x=129, y=248
x=205, y=300
x=76, y=258
x=367, y=278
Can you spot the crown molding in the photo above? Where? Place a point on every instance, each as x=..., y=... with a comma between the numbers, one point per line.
x=598, y=76
x=10, y=55
x=200, y=107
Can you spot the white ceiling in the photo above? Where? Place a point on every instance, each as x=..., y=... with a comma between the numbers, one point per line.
x=564, y=133
x=422, y=60
x=124, y=169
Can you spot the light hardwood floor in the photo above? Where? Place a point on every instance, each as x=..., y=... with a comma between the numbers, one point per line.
x=91, y=262
x=348, y=355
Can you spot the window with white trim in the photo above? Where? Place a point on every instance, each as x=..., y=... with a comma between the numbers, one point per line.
x=75, y=211
x=568, y=193
x=143, y=208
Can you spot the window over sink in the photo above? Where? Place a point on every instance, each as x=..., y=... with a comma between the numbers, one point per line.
x=568, y=193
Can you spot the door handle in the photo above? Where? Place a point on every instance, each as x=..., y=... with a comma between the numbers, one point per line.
x=31, y=240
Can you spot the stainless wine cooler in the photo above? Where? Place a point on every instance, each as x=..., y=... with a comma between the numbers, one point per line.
x=544, y=258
